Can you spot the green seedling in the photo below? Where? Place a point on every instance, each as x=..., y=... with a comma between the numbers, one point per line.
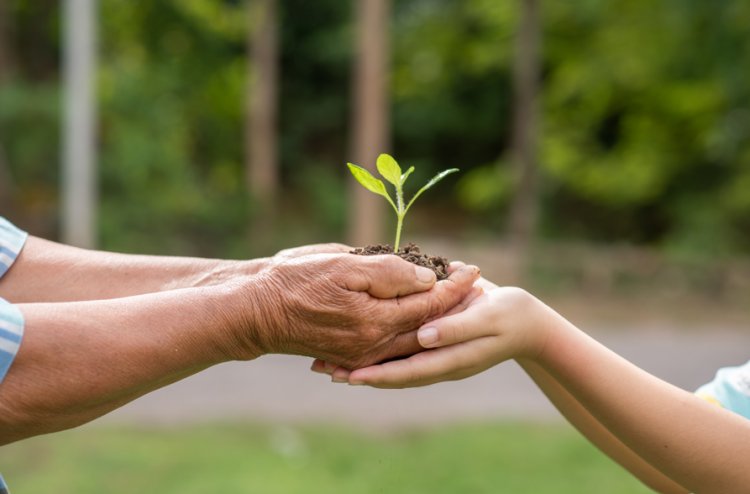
x=390, y=170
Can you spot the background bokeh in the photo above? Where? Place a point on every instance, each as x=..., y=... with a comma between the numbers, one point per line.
x=640, y=155
x=643, y=135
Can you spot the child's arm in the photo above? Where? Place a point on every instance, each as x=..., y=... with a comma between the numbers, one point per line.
x=595, y=432
x=698, y=445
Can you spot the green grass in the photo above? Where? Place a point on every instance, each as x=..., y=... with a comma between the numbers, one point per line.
x=492, y=458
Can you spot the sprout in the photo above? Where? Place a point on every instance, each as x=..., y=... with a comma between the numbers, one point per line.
x=390, y=170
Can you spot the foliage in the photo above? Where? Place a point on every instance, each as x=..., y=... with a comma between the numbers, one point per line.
x=644, y=112
x=504, y=457
x=391, y=171
x=30, y=116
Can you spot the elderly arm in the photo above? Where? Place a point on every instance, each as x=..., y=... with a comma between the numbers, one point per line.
x=79, y=360
x=46, y=271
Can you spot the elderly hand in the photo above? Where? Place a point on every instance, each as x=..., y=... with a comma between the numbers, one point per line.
x=346, y=309
x=306, y=250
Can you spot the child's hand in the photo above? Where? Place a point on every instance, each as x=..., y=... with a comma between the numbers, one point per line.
x=494, y=326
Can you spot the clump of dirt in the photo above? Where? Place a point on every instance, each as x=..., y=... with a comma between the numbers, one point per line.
x=410, y=253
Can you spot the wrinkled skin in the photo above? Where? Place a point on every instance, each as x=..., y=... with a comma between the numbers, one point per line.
x=306, y=250
x=349, y=310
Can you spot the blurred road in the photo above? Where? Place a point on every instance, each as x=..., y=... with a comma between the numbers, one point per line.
x=281, y=389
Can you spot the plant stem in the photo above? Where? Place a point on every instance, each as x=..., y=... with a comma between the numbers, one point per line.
x=400, y=213
x=399, y=223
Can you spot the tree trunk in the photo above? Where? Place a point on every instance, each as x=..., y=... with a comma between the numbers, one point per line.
x=79, y=155
x=526, y=69
x=7, y=188
x=261, y=165
x=371, y=116
x=6, y=53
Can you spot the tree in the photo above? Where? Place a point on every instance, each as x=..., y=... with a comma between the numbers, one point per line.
x=79, y=178
x=261, y=156
x=6, y=66
x=371, y=114
x=523, y=212
x=6, y=54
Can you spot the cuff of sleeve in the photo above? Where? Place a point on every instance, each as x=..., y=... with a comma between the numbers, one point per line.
x=11, y=242
x=11, y=333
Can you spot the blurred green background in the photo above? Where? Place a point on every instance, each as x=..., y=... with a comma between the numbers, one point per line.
x=643, y=134
x=640, y=168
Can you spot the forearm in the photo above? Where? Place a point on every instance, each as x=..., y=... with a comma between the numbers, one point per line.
x=595, y=432
x=698, y=445
x=50, y=272
x=80, y=360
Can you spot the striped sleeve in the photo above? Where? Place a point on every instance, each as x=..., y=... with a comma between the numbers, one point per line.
x=11, y=320
x=11, y=243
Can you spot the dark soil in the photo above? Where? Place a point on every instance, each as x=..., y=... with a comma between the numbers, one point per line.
x=410, y=253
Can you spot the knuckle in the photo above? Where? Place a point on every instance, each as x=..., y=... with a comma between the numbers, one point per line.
x=438, y=305
x=447, y=334
x=371, y=335
x=413, y=374
x=390, y=264
x=511, y=298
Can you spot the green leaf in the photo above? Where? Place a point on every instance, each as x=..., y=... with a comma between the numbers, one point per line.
x=437, y=178
x=406, y=175
x=369, y=182
x=390, y=170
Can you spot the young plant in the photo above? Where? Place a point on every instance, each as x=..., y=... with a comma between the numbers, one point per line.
x=390, y=170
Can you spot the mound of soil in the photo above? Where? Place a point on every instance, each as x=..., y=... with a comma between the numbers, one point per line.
x=410, y=253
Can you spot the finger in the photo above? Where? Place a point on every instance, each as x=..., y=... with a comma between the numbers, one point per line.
x=340, y=375
x=455, y=328
x=486, y=284
x=428, y=367
x=455, y=266
x=475, y=293
x=387, y=276
x=403, y=345
x=304, y=250
x=329, y=367
x=415, y=309
x=318, y=366
x=328, y=248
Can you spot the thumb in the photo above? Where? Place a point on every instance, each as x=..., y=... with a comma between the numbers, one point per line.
x=388, y=276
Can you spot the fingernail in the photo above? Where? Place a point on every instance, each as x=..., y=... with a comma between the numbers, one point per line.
x=338, y=379
x=425, y=275
x=315, y=367
x=474, y=270
x=356, y=383
x=427, y=336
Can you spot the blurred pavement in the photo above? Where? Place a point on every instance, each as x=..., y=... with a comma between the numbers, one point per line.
x=281, y=389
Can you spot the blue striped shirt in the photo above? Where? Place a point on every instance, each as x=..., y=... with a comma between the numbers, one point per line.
x=11, y=321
